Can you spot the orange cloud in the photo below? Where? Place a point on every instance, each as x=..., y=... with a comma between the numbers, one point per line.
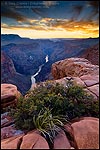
x=85, y=28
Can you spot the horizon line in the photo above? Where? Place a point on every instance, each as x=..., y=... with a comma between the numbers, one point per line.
x=51, y=38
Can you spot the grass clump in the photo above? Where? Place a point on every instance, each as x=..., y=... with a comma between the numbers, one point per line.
x=48, y=125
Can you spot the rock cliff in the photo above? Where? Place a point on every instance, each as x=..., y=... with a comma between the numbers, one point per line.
x=9, y=74
x=92, y=54
x=81, y=71
x=73, y=67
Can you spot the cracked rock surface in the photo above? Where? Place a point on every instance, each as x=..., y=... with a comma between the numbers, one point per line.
x=81, y=71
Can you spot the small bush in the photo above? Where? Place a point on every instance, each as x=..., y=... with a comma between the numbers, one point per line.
x=70, y=101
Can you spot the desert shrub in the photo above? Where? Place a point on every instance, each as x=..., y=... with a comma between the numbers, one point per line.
x=48, y=125
x=70, y=101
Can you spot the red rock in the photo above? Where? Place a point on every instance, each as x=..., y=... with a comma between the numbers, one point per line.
x=89, y=77
x=7, y=98
x=90, y=82
x=9, y=131
x=73, y=67
x=86, y=133
x=9, y=95
x=12, y=103
x=70, y=134
x=10, y=89
x=81, y=71
x=94, y=89
x=92, y=54
x=78, y=81
x=11, y=143
x=33, y=140
x=75, y=80
x=61, y=141
x=6, y=119
x=90, y=93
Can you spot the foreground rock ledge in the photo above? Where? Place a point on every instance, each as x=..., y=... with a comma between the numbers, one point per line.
x=31, y=140
x=85, y=132
x=9, y=95
x=81, y=71
x=73, y=67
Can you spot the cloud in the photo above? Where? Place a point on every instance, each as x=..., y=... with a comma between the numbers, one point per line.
x=89, y=10
x=94, y=4
x=38, y=12
x=50, y=24
x=95, y=9
x=9, y=13
x=77, y=10
x=25, y=27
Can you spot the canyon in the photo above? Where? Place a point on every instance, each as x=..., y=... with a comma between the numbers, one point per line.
x=83, y=132
x=23, y=66
x=28, y=57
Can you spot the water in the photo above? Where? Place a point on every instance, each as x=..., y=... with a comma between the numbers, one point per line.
x=33, y=77
x=47, y=58
x=40, y=67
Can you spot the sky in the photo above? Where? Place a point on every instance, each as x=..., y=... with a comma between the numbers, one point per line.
x=50, y=19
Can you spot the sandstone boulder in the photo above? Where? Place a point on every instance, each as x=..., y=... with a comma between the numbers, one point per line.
x=81, y=72
x=12, y=143
x=61, y=141
x=9, y=95
x=89, y=83
x=75, y=80
x=90, y=79
x=94, y=89
x=33, y=140
x=86, y=133
x=73, y=67
x=6, y=120
x=92, y=54
x=9, y=131
x=82, y=133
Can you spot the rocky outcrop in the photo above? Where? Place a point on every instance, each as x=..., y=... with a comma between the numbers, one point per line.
x=9, y=95
x=9, y=131
x=7, y=67
x=12, y=142
x=7, y=127
x=89, y=83
x=32, y=140
x=86, y=133
x=26, y=57
x=61, y=141
x=9, y=74
x=6, y=120
x=80, y=71
x=28, y=54
x=92, y=54
x=73, y=67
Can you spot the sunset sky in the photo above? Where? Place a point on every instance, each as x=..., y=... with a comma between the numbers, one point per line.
x=50, y=19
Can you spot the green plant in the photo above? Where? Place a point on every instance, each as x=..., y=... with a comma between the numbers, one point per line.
x=71, y=101
x=48, y=125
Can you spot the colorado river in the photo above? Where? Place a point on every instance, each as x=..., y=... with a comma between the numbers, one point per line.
x=40, y=67
x=47, y=58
